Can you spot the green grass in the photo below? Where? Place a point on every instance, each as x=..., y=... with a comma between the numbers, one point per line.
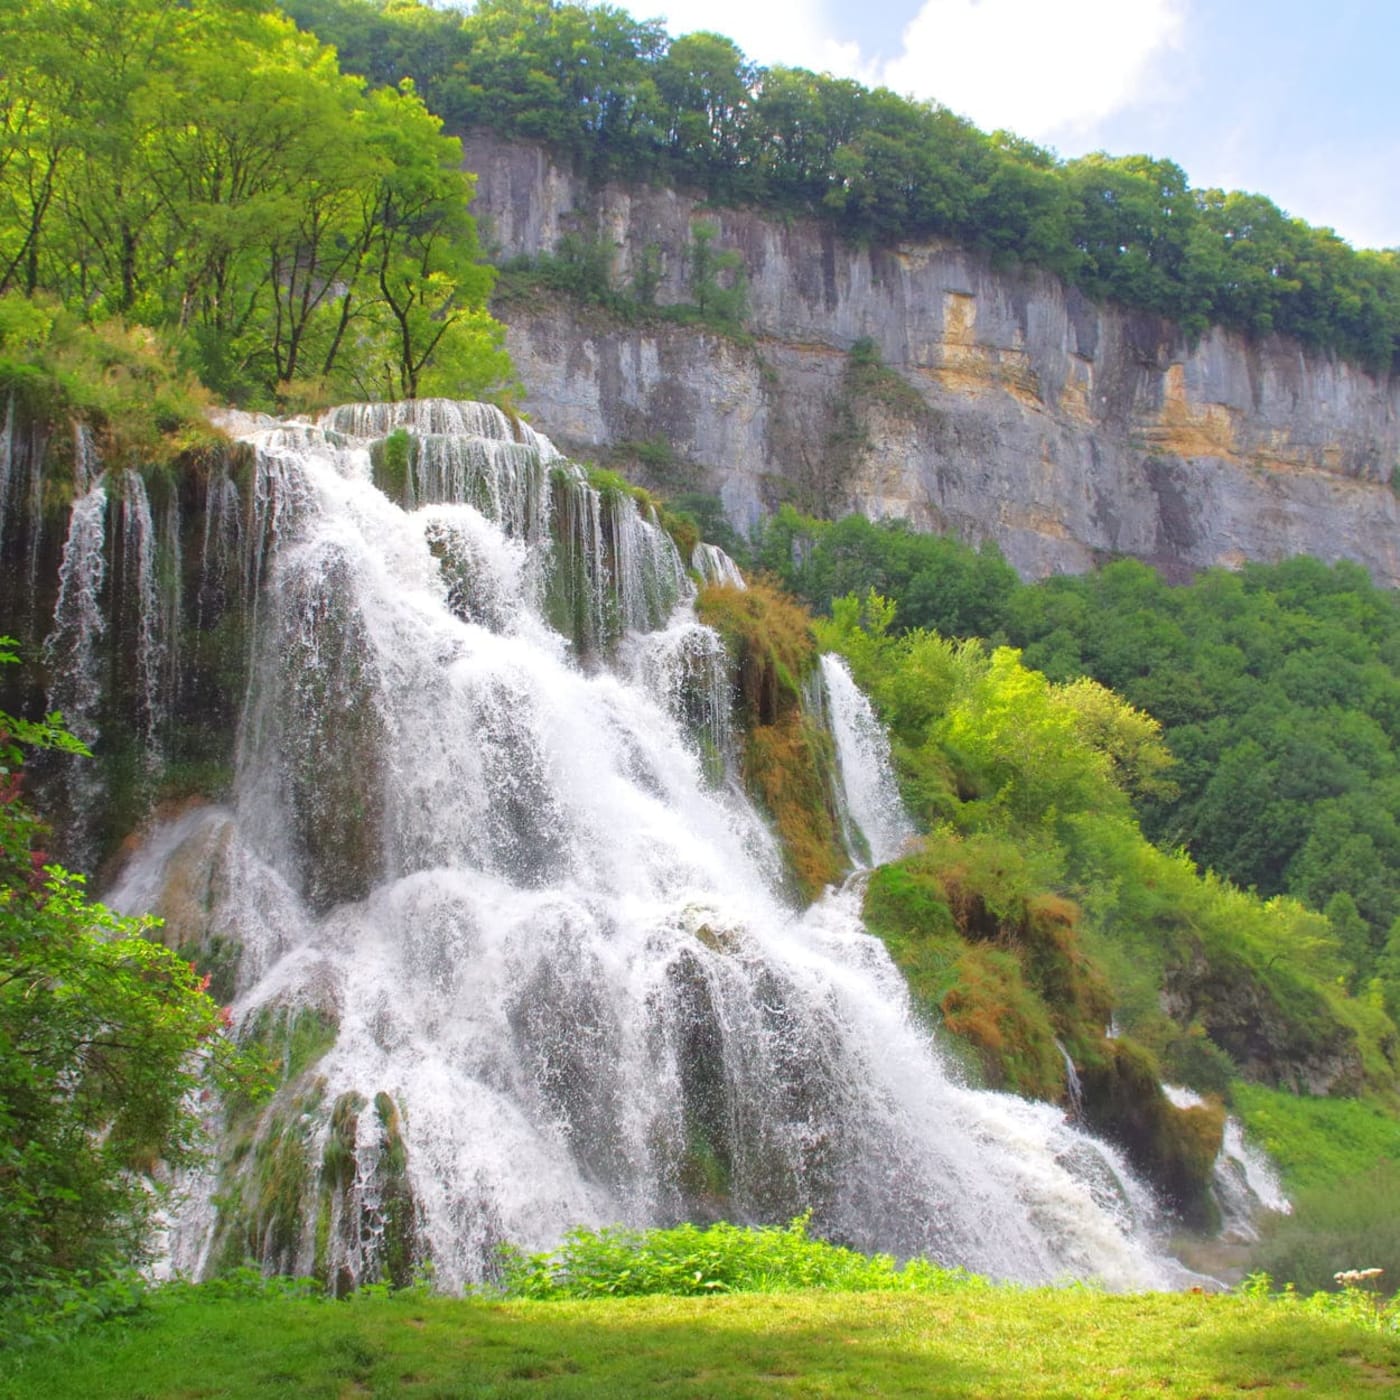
x=1315, y=1141
x=194, y=1344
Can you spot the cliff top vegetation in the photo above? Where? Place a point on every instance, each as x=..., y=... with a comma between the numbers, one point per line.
x=625, y=100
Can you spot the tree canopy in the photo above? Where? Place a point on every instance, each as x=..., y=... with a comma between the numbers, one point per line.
x=206, y=169
x=1277, y=689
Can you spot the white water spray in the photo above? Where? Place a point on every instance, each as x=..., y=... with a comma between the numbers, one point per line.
x=715, y=566
x=72, y=648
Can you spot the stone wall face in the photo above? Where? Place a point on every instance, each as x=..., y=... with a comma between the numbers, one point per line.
x=1065, y=430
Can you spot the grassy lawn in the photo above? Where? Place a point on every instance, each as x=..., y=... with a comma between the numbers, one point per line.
x=979, y=1343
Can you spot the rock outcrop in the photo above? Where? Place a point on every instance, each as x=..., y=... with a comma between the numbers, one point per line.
x=1065, y=430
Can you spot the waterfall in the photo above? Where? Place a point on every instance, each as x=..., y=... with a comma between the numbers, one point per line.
x=220, y=552
x=874, y=822
x=1243, y=1178
x=1074, y=1090
x=72, y=649
x=494, y=886
x=715, y=566
x=685, y=667
x=86, y=467
x=148, y=605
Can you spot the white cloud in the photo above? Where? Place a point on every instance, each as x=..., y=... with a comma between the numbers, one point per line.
x=1040, y=68
x=794, y=33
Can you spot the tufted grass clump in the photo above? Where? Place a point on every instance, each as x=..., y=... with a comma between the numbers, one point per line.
x=688, y=1261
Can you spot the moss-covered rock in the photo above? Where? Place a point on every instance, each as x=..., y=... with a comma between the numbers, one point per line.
x=990, y=1006
x=789, y=760
x=1175, y=1148
x=998, y=965
x=1276, y=1025
x=399, y=1252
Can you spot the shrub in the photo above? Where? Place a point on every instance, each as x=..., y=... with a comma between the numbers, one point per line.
x=103, y=1036
x=723, y=1258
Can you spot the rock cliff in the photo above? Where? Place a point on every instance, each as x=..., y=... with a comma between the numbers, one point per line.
x=1007, y=407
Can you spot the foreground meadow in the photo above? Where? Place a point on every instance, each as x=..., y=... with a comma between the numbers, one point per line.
x=201, y=1344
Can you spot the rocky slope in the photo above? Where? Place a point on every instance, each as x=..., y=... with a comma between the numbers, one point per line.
x=1010, y=408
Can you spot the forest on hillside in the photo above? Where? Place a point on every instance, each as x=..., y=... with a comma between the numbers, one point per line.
x=623, y=99
x=1277, y=688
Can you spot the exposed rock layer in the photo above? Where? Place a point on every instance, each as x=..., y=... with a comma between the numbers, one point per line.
x=1063, y=429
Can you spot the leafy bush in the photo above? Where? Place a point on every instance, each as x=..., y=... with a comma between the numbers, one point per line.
x=724, y=1258
x=104, y=1035
x=124, y=383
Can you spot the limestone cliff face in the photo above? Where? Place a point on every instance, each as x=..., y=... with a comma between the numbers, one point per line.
x=1065, y=430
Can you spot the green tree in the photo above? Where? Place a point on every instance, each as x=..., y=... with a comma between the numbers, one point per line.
x=207, y=169
x=430, y=290
x=104, y=1036
x=716, y=279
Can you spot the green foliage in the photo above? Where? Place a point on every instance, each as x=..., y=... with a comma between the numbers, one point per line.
x=619, y=99
x=716, y=280
x=1279, y=698
x=393, y=459
x=997, y=963
x=690, y=1261
x=581, y=268
x=711, y=521
x=104, y=1036
x=990, y=1007
x=124, y=383
x=207, y=171
x=1037, y=904
x=770, y=639
x=935, y=581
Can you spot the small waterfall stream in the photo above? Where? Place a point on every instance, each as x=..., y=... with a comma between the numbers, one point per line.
x=482, y=849
x=72, y=650
x=1243, y=1179
x=875, y=825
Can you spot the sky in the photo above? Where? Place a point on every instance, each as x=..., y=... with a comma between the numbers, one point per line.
x=1298, y=100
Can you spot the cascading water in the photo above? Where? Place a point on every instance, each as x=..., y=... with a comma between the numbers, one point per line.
x=715, y=566
x=492, y=875
x=874, y=822
x=72, y=648
x=149, y=607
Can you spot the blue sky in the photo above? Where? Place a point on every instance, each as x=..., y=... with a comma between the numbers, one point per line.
x=1295, y=99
